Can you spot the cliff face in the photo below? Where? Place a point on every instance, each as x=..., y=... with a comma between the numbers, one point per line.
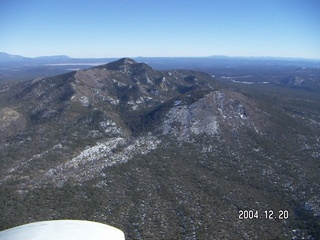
x=145, y=148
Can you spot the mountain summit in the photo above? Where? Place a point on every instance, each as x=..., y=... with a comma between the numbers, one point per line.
x=138, y=148
x=120, y=63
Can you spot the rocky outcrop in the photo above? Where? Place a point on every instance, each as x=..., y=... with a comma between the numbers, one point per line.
x=11, y=122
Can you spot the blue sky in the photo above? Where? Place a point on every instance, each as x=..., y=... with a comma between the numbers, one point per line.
x=160, y=28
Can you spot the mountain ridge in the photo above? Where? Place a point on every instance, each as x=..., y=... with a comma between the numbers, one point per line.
x=8, y=55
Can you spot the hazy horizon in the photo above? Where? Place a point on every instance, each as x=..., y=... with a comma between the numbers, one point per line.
x=115, y=29
x=135, y=57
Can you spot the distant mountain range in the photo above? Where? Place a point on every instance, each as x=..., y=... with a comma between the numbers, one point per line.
x=9, y=57
x=17, y=68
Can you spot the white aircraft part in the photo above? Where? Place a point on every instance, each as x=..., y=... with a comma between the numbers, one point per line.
x=63, y=230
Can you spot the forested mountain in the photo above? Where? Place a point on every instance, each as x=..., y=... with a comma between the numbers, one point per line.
x=161, y=154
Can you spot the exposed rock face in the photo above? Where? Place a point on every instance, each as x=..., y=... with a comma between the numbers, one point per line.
x=215, y=114
x=94, y=159
x=11, y=122
x=198, y=118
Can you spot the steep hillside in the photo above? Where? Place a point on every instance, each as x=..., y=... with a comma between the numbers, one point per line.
x=158, y=154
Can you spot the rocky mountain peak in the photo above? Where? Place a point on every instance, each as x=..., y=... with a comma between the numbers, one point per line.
x=127, y=61
x=116, y=65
